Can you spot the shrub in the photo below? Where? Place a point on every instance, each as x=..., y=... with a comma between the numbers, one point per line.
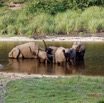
x=55, y=6
x=65, y=22
x=41, y=24
x=92, y=19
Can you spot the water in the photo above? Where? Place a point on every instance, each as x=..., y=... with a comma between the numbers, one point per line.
x=93, y=63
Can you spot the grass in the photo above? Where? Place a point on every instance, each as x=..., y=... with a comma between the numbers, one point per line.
x=74, y=89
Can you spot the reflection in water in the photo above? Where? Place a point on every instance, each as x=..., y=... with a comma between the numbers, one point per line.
x=31, y=66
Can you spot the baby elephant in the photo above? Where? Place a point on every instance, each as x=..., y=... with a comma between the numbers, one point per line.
x=70, y=55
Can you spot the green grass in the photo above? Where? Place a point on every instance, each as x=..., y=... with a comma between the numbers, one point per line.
x=74, y=89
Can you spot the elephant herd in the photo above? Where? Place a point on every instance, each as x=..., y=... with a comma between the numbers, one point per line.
x=51, y=54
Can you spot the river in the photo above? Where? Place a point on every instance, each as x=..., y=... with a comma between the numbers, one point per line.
x=93, y=63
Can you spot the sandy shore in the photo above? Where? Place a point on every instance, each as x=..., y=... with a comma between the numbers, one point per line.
x=13, y=76
x=52, y=38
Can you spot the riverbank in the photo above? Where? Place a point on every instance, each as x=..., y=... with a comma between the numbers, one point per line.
x=14, y=76
x=54, y=38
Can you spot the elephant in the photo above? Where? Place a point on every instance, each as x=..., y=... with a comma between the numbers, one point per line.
x=50, y=51
x=80, y=50
x=70, y=55
x=59, y=56
x=27, y=50
x=75, y=53
x=45, y=55
x=42, y=56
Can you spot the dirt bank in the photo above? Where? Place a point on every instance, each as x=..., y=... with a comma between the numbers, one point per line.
x=13, y=76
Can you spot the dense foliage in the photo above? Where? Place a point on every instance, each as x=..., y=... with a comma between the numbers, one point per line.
x=54, y=6
x=52, y=17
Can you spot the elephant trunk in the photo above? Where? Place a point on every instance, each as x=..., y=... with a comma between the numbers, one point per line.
x=45, y=45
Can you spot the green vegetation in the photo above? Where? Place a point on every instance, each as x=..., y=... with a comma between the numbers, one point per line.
x=48, y=17
x=74, y=89
x=55, y=6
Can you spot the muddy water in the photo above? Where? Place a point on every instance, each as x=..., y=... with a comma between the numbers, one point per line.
x=93, y=63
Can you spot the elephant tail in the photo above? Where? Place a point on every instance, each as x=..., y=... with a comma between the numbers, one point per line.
x=64, y=53
x=18, y=53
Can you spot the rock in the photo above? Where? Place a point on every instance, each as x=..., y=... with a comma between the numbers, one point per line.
x=1, y=66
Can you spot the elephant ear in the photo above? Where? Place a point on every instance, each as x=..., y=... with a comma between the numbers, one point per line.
x=81, y=47
x=76, y=45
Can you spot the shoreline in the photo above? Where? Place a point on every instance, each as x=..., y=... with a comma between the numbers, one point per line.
x=54, y=38
x=14, y=76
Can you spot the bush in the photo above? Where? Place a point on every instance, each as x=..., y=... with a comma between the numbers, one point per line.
x=55, y=6
x=92, y=19
x=65, y=22
x=42, y=24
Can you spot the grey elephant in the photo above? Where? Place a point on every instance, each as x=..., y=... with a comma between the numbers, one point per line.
x=80, y=50
x=75, y=53
x=27, y=50
x=59, y=56
x=42, y=56
x=50, y=52
x=70, y=55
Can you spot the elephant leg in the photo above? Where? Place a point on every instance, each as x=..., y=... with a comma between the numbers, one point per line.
x=82, y=54
x=21, y=54
x=45, y=61
x=72, y=61
x=54, y=59
x=39, y=60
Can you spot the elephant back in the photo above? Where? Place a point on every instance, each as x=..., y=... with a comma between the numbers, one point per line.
x=59, y=56
x=24, y=50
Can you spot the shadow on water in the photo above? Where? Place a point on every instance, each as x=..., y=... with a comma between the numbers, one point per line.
x=92, y=64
